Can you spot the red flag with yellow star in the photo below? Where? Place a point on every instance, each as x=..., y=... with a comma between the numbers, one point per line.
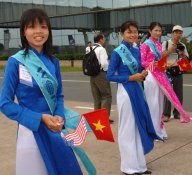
x=99, y=122
x=184, y=64
x=162, y=63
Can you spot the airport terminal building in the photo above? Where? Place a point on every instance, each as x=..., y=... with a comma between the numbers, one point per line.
x=75, y=21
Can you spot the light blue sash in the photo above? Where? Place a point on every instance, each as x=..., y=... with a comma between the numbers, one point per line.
x=128, y=59
x=154, y=49
x=42, y=76
x=48, y=86
x=139, y=106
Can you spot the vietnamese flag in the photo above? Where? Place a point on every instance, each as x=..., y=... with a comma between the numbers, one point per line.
x=162, y=63
x=184, y=64
x=99, y=122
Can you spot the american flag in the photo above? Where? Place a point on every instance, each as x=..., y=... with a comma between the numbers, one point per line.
x=77, y=137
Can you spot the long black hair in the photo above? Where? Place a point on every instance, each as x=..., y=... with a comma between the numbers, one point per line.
x=30, y=16
x=152, y=26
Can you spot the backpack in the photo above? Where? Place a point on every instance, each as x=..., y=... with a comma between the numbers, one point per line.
x=91, y=66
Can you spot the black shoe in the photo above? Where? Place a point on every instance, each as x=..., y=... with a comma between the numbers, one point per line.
x=166, y=118
x=176, y=116
x=147, y=172
x=111, y=121
x=131, y=174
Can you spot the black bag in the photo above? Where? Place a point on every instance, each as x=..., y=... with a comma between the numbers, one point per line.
x=174, y=71
x=91, y=66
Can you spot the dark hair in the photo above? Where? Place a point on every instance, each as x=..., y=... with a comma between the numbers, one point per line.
x=139, y=37
x=126, y=25
x=153, y=25
x=97, y=37
x=88, y=42
x=29, y=17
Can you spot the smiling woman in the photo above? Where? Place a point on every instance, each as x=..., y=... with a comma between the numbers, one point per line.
x=125, y=68
x=35, y=31
x=33, y=75
x=36, y=34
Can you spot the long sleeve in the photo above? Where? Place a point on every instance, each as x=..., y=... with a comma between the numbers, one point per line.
x=112, y=75
x=103, y=58
x=12, y=110
x=144, y=49
x=59, y=110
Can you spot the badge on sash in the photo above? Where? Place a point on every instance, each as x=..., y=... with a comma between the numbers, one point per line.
x=24, y=76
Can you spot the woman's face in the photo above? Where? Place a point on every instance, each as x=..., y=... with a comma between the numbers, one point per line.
x=130, y=35
x=156, y=32
x=36, y=35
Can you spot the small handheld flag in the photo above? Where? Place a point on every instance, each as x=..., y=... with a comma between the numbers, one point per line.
x=184, y=64
x=77, y=137
x=162, y=63
x=99, y=122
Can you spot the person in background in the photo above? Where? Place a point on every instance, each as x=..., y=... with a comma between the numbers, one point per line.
x=174, y=50
x=33, y=76
x=138, y=41
x=136, y=133
x=153, y=92
x=89, y=47
x=100, y=87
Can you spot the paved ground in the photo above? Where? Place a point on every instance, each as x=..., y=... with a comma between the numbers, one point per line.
x=173, y=157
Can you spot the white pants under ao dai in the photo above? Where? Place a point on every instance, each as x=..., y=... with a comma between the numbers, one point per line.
x=155, y=100
x=130, y=146
x=28, y=158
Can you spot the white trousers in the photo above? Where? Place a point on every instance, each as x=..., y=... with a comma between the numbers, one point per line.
x=28, y=158
x=155, y=100
x=130, y=146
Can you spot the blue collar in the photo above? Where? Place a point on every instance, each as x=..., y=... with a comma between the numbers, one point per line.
x=36, y=52
x=127, y=44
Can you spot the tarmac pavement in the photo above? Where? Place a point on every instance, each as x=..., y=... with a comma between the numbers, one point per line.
x=173, y=157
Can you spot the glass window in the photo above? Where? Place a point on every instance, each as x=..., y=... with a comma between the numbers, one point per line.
x=137, y=2
x=76, y=3
x=26, y=1
x=49, y=2
x=90, y=3
x=57, y=37
x=37, y=1
x=15, y=1
x=63, y=2
x=105, y=4
x=156, y=1
x=120, y=3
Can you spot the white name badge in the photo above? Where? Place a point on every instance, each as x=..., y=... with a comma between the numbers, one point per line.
x=24, y=76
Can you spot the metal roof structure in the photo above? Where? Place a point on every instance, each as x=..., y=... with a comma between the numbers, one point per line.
x=167, y=12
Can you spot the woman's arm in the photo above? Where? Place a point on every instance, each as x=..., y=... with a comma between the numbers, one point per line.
x=144, y=49
x=12, y=110
x=115, y=61
x=111, y=73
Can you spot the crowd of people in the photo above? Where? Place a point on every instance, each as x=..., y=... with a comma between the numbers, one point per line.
x=134, y=67
x=33, y=76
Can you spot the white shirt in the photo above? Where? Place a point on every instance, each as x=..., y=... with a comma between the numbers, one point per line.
x=102, y=56
x=88, y=49
x=173, y=57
